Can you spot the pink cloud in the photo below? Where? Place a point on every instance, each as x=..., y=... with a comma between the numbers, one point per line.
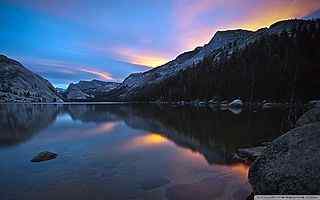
x=248, y=14
x=103, y=75
x=69, y=68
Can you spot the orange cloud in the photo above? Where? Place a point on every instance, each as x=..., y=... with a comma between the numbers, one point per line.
x=141, y=57
x=247, y=14
x=187, y=11
x=103, y=75
x=274, y=11
x=106, y=127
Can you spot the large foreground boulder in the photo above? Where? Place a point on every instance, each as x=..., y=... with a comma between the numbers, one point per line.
x=309, y=117
x=290, y=165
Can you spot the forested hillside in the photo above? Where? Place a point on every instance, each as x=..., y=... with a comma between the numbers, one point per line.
x=278, y=67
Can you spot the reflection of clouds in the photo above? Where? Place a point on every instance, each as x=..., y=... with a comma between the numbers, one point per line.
x=103, y=128
x=106, y=127
x=149, y=140
x=192, y=155
x=240, y=169
x=245, y=15
x=83, y=132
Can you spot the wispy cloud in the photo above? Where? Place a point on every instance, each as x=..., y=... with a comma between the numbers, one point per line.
x=197, y=21
x=140, y=57
x=102, y=75
x=142, y=32
x=51, y=65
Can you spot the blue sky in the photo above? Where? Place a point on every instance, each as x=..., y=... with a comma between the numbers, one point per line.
x=70, y=40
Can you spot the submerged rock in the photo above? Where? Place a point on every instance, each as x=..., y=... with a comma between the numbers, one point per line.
x=290, y=165
x=309, y=117
x=44, y=156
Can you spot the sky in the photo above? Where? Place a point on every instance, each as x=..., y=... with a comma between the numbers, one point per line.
x=70, y=40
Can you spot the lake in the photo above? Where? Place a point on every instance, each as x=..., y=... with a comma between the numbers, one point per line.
x=129, y=151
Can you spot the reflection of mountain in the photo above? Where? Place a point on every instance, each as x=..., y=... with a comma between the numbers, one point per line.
x=93, y=113
x=216, y=135
x=20, y=122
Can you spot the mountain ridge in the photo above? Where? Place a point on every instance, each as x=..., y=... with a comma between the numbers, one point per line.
x=85, y=90
x=19, y=84
x=222, y=43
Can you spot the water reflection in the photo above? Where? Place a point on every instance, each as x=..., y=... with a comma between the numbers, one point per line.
x=214, y=134
x=19, y=122
x=148, y=140
x=129, y=151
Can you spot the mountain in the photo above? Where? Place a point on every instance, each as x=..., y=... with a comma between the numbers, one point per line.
x=60, y=90
x=18, y=84
x=270, y=63
x=86, y=90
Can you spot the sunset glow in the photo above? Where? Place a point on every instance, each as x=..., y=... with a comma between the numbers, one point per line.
x=150, y=33
x=103, y=75
x=149, y=140
x=141, y=58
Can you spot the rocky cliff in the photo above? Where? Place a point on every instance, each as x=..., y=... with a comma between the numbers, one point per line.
x=18, y=84
x=85, y=90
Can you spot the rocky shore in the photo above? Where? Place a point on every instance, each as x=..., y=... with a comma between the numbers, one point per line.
x=290, y=164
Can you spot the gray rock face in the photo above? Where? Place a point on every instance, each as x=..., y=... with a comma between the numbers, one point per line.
x=309, y=117
x=88, y=89
x=18, y=84
x=44, y=156
x=20, y=122
x=290, y=165
x=74, y=93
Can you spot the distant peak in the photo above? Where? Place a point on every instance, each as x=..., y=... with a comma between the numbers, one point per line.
x=2, y=57
x=235, y=31
x=223, y=38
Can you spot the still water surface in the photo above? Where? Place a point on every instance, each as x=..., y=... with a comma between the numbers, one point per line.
x=128, y=151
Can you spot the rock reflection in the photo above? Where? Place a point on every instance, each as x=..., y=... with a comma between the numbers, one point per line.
x=214, y=134
x=19, y=122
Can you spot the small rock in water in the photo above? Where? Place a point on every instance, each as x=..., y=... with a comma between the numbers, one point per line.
x=236, y=103
x=44, y=156
x=250, y=154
